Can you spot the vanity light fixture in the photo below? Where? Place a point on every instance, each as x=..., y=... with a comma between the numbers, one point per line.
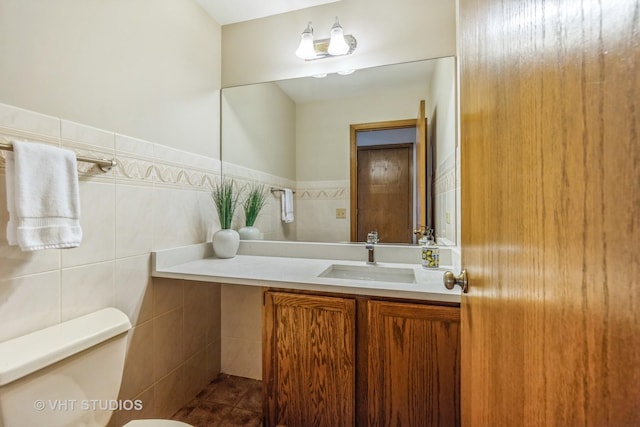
x=339, y=44
x=306, y=49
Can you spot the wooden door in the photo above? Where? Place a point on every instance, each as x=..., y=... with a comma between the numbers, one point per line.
x=423, y=196
x=308, y=360
x=419, y=194
x=550, y=106
x=413, y=365
x=385, y=192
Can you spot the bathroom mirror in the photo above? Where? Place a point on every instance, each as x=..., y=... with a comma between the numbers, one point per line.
x=298, y=133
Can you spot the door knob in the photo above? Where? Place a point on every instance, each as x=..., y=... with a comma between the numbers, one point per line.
x=450, y=280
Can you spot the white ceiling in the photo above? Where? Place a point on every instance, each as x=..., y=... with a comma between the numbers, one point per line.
x=377, y=79
x=231, y=11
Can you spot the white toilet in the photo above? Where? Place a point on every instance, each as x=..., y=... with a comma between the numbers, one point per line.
x=68, y=374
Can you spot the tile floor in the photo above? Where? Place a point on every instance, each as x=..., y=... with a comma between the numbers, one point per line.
x=226, y=402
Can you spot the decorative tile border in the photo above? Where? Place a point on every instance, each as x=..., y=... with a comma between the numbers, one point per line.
x=134, y=170
x=182, y=176
x=8, y=134
x=323, y=190
x=445, y=181
x=139, y=162
x=324, y=194
x=144, y=163
x=243, y=176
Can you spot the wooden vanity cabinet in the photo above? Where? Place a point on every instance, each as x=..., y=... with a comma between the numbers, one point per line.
x=308, y=360
x=412, y=365
x=359, y=361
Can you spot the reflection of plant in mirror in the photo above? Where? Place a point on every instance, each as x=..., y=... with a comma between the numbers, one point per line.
x=226, y=201
x=254, y=203
x=307, y=113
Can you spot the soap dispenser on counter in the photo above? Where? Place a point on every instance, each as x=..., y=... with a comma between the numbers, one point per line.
x=430, y=250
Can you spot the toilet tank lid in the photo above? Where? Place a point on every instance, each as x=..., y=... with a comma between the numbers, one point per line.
x=24, y=355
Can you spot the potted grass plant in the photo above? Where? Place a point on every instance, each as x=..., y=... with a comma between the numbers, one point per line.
x=226, y=240
x=253, y=204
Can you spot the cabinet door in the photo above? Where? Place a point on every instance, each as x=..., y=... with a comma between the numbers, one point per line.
x=413, y=365
x=308, y=360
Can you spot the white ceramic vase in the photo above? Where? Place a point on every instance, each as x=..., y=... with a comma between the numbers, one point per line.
x=225, y=243
x=249, y=232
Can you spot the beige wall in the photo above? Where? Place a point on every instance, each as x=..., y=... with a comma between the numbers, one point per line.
x=388, y=32
x=441, y=109
x=442, y=133
x=322, y=131
x=145, y=68
x=259, y=129
x=322, y=156
x=139, y=81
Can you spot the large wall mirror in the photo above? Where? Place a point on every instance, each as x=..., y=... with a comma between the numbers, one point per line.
x=299, y=133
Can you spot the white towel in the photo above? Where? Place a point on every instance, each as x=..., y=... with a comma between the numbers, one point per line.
x=43, y=197
x=286, y=201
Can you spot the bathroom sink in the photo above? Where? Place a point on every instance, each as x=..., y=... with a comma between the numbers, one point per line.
x=369, y=272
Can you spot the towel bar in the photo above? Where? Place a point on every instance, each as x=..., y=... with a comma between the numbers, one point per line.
x=273, y=190
x=104, y=164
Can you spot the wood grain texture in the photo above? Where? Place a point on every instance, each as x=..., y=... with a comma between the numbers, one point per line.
x=413, y=365
x=550, y=165
x=362, y=342
x=421, y=165
x=353, y=164
x=309, y=360
x=385, y=192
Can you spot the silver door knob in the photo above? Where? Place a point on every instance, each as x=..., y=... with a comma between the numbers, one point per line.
x=450, y=280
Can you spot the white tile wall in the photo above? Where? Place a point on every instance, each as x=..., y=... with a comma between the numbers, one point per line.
x=14, y=263
x=133, y=290
x=156, y=198
x=97, y=202
x=29, y=122
x=446, y=218
x=85, y=289
x=28, y=303
x=134, y=226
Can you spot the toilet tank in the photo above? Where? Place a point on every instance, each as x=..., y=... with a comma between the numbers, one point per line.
x=65, y=375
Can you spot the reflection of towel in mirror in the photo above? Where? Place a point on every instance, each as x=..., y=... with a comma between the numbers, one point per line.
x=287, y=205
x=43, y=197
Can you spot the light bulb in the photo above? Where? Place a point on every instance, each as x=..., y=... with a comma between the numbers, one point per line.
x=306, y=50
x=337, y=44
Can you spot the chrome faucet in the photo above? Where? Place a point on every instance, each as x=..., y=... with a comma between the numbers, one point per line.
x=372, y=239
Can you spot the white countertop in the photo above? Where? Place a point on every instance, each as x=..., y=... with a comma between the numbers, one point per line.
x=196, y=263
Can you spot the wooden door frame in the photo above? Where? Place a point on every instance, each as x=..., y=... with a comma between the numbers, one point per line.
x=353, y=163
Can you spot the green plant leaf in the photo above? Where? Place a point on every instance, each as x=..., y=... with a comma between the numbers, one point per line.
x=253, y=204
x=226, y=201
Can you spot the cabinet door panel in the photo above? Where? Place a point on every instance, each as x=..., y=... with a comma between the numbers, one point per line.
x=413, y=365
x=309, y=366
